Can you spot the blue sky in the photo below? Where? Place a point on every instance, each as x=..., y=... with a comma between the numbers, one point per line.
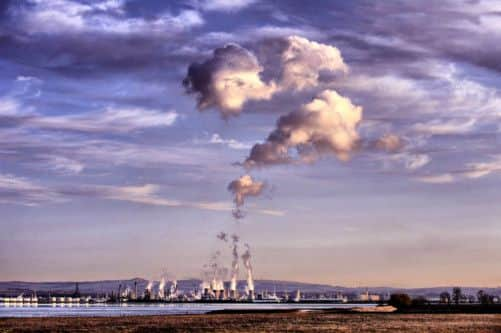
x=373, y=129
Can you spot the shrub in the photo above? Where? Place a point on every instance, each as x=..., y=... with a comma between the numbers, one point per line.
x=400, y=301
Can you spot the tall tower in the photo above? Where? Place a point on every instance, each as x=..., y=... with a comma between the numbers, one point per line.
x=135, y=289
x=76, y=293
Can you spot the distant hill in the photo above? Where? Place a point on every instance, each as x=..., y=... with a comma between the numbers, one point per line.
x=14, y=288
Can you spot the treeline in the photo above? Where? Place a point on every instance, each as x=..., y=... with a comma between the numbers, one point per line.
x=447, y=301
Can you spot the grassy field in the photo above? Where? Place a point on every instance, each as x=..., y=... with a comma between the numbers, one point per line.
x=273, y=322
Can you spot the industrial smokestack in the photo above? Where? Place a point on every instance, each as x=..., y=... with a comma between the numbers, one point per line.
x=161, y=289
x=135, y=289
x=246, y=257
x=147, y=291
x=234, y=265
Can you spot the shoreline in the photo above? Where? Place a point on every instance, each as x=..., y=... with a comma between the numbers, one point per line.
x=264, y=322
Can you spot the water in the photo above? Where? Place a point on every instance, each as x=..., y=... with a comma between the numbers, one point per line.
x=113, y=310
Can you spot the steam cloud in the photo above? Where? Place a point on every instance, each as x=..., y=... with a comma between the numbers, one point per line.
x=326, y=125
x=215, y=273
x=161, y=288
x=242, y=188
x=246, y=257
x=234, y=251
x=234, y=263
x=233, y=75
x=222, y=236
x=228, y=80
x=389, y=143
x=304, y=61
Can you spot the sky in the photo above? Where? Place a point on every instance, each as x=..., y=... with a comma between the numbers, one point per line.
x=352, y=143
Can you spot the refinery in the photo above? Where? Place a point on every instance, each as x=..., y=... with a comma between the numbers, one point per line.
x=217, y=285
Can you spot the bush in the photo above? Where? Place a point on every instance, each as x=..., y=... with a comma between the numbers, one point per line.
x=400, y=301
x=419, y=301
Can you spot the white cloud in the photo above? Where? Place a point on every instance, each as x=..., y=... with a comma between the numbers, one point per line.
x=437, y=179
x=303, y=61
x=114, y=120
x=471, y=171
x=226, y=5
x=326, y=125
x=232, y=143
x=17, y=190
x=448, y=127
x=63, y=165
x=20, y=191
x=410, y=161
x=233, y=75
x=273, y=31
x=228, y=80
x=416, y=161
x=9, y=107
x=481, y=169
x=67, y=16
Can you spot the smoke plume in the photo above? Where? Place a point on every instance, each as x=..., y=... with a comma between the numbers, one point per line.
x=389, y=143
x=227, y=80
x=326, y=125
x=303, y=63
x=222, y=236
x=246, y=257
x=234, y=262
x=233, y=75
x=161, y=288
x=242, y=188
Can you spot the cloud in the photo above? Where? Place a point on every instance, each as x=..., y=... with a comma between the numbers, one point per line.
x=63, y=165
x=450, y=127
x=226, y=5
x=143, y=194
x=233, y=75
x=389, y=142
x=445, y=178
x=231, y=143
x=112, y=119
x=471, y=171
x=303, y=63
x=414, y=161
x=17, y=190
x=9, y=107
x=97, y=38
x=21, y=191
x=481, y=169
x=227, y=80
x=326, y=125
x=108, y=17
x=242, y=188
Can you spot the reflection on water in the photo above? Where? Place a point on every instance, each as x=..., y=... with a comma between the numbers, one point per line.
x=124, y=309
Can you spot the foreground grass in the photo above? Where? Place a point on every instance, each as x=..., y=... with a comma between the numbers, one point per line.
x=273, y=322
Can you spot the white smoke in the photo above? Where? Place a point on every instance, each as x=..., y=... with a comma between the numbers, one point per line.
x=304, y=61
x=389, y=142
x=161, y=288
x=214, y=273
x=234, y=263
x=242, y=188
x=149, y=287
x=246, y=258
x=227, y=80
x=233, y=75
x=326, y=125
x=222, y=236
